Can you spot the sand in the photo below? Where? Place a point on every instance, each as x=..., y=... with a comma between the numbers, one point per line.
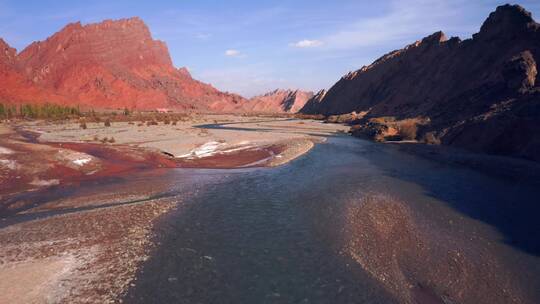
x=195, y=137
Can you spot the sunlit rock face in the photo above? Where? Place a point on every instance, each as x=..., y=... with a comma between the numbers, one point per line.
x=112, y=64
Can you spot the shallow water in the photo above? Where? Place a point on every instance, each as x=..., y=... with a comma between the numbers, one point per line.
x=278, y=235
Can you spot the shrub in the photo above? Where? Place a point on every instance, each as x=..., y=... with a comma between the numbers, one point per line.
x=174, y=122
x=104, y=140
x=82, y=125
x=96, y=138
x=407, y=129
x=112, y=140
x=107, y=122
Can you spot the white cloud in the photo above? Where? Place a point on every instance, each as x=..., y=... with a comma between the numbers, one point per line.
x=307, y=43
x=233, y=53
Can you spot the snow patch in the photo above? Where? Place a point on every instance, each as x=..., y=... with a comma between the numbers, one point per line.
x=4, y=150
x=10, y=164
x=44, y=183
x=82, y=161
x=213, y=147
x=208, y=149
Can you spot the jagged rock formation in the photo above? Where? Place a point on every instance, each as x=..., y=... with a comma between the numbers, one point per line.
x=481, y=93
x=111, y=64
x=279, y=101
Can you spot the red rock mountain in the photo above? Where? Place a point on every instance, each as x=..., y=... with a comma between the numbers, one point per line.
x=14, y=86
x=279, y=101
x=111, y=64
x=482, y=93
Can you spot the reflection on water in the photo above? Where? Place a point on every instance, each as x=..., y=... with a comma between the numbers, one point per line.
x=277, y=235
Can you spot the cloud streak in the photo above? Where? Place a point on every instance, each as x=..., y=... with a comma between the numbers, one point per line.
x=306, y=43
x=233, y=53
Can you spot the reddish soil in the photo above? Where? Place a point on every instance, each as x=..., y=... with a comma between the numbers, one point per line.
x=249, y=158
x=38, y=164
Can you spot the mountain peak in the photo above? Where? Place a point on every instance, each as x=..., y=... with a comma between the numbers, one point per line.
x=506, y=21
x=184, y=71
x=435, y=38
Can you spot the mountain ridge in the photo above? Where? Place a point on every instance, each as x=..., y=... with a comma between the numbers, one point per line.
x=481, y=93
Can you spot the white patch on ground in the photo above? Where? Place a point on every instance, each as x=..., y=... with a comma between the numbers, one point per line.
x=238, y=149
x=213, y=147
x=74, y=159
x=44, y=183
x=208, y=149
x=10, y=164
x=4, y=150
x=82, y=161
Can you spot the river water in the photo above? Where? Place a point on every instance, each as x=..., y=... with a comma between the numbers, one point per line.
x=281, y=235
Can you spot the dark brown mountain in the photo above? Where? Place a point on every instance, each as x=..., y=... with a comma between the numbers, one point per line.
x=481, y=93
x=112, y=64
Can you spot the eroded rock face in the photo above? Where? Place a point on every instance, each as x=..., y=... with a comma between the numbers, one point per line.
x=114, y=64
x=7, y=54
x=520, y=72
x=279, y=101
x=460, y=86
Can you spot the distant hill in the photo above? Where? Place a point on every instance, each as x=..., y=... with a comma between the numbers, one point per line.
x=285, y=101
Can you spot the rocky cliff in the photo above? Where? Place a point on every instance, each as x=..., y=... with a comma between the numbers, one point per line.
x=279, y=101
x=111, y=64
x=481, y=93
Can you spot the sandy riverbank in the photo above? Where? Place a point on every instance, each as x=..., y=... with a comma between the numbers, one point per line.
x=39, y=154
x=79, y=249
x=201, y=136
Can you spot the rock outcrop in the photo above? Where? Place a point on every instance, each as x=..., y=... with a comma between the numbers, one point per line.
x=481, y=93
x=112, y=64
x=14, y=86
x=279, y=101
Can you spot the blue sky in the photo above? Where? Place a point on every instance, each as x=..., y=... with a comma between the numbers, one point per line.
x=250, y=47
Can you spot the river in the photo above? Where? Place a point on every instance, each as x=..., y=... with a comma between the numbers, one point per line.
x=284, y=235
